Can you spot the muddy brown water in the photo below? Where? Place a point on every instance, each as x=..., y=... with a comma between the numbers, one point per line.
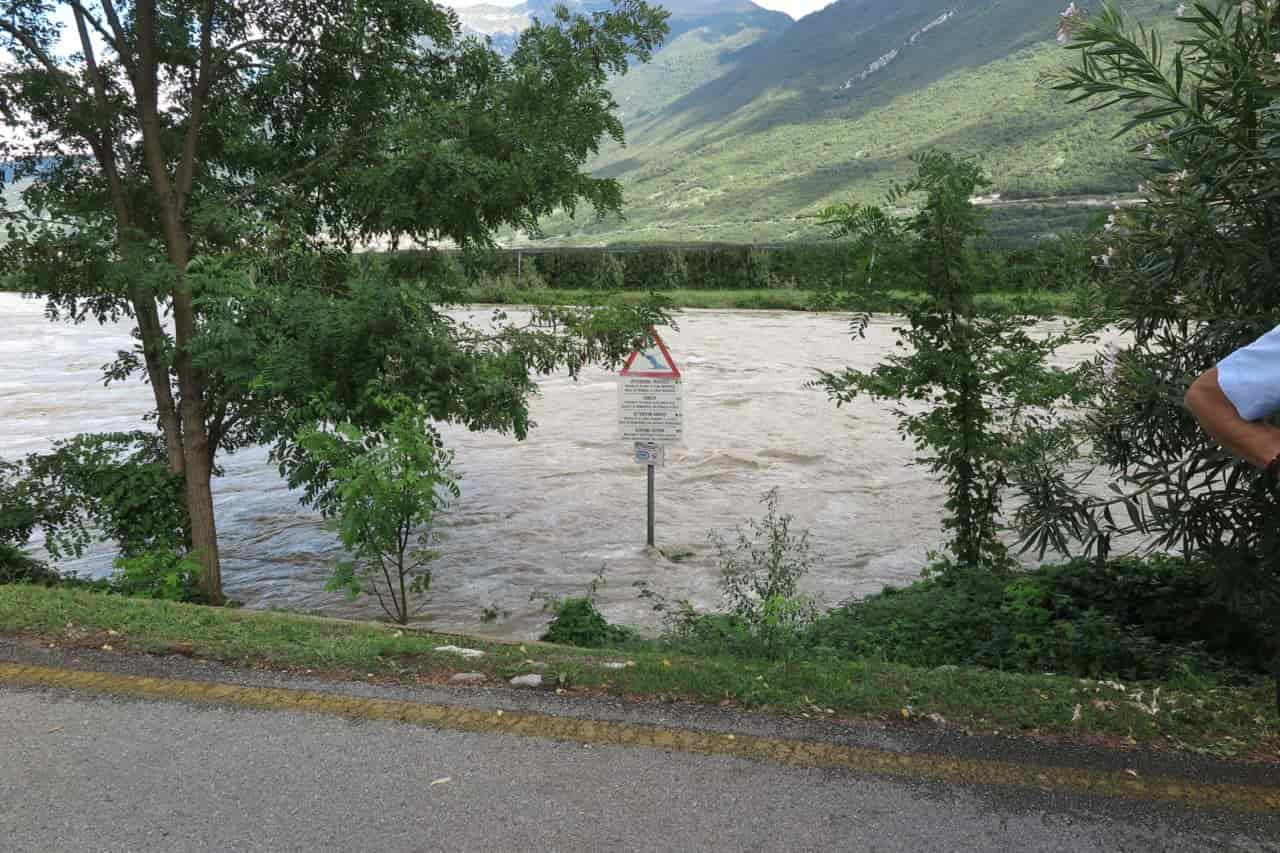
x=547, y=514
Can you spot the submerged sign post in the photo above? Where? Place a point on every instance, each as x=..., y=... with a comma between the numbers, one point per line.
x=651, y=408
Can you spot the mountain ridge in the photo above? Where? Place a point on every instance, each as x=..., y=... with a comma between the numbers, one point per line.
x=832, y=108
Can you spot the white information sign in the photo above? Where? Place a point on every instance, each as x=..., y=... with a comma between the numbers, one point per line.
x=651, y=410
x=651, y=396
x=648, y=453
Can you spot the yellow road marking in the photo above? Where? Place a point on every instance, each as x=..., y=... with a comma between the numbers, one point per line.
x=934, y=768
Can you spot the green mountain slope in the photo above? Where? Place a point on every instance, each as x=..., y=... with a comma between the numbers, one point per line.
x=832, y=108
x=706, y=43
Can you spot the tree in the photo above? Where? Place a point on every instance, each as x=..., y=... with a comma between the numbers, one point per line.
x=186, y=144
x=386, y=504
x=1194, y=273
x=978, y=381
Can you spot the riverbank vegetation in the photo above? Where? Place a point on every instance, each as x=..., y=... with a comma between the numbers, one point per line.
x=1051, y=277
x=1038, y=303
x=231, y=248
x=1193, y=275
x=1185, y=714
x=303, y=348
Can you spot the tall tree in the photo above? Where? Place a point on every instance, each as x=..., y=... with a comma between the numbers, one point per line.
x=968, y=384
x=180, y=130
x=1193, y=274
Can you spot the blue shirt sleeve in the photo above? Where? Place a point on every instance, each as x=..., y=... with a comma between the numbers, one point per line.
x=1250, y=377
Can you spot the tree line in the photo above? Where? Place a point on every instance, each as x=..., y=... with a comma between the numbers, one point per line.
x=1058, y=264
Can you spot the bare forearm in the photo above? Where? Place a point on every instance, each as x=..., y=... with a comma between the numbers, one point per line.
x=1256, y=442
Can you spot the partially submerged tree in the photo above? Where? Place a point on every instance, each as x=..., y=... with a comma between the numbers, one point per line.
x=187, y=153
x=967, y=384
x=386, y=502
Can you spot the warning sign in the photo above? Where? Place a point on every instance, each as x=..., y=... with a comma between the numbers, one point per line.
x=653, y=362
x=651, y=396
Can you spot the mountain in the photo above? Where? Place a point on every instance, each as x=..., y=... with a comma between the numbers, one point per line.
x=501, y=23
x=706, y=42
x=725, y=17
x=743, y=129
x=704, y=39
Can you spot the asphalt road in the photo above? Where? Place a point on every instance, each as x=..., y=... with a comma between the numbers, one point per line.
x=85, y=773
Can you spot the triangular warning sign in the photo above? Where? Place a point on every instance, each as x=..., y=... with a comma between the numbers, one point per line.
x=652, y=362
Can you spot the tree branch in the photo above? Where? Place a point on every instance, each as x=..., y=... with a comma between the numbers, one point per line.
x=106, y=133
x=147, y=96
x=231, y=51
x=373, y=588
x=78, y=10
x=391, y=588
x=25, y=39
x=126, y=59
x=186, y=169
x=218, y=426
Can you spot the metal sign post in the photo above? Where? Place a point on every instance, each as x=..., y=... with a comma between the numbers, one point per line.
x=651, y=412
x=650, y=468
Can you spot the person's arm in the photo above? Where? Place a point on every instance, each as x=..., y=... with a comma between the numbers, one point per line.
x=1254, y=441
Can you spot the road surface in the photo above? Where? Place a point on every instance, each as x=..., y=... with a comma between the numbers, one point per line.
x=84, y=771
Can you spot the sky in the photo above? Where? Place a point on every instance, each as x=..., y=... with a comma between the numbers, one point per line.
x=795, y=8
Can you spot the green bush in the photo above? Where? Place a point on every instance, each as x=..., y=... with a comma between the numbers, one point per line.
x=114, y=486
x=18, y=567
x=159, y=573
x=760, y=573
x=577, y=622
x=1128, y=618
x=390, y=490
x=765, y=613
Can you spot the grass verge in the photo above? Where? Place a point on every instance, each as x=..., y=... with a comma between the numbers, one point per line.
x=1208, y=719
x=1044, y=303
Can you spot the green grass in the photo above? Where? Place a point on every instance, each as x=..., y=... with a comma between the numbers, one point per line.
x=1190, y=714
x=1046, y=303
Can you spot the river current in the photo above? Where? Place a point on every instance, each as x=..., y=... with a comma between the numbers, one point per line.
x=547, y=514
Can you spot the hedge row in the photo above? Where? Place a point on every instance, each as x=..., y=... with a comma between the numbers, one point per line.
x=1051, y=265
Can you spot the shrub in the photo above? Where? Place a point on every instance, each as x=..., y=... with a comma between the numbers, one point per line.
x=160, y=573
x=577, y=622
x=760, y=572
x=1190, y=274
x=18, y=567
x=115, y=486
x=1129, y=618
x=390, y=489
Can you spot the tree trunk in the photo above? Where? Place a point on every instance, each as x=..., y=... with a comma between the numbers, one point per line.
x=404, y=593
x=198, y=468
x=152, y=332
x=199, y=492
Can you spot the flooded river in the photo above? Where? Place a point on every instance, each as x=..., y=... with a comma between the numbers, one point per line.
x=545, y=515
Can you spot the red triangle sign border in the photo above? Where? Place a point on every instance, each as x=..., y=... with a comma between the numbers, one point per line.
x=672, y=372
